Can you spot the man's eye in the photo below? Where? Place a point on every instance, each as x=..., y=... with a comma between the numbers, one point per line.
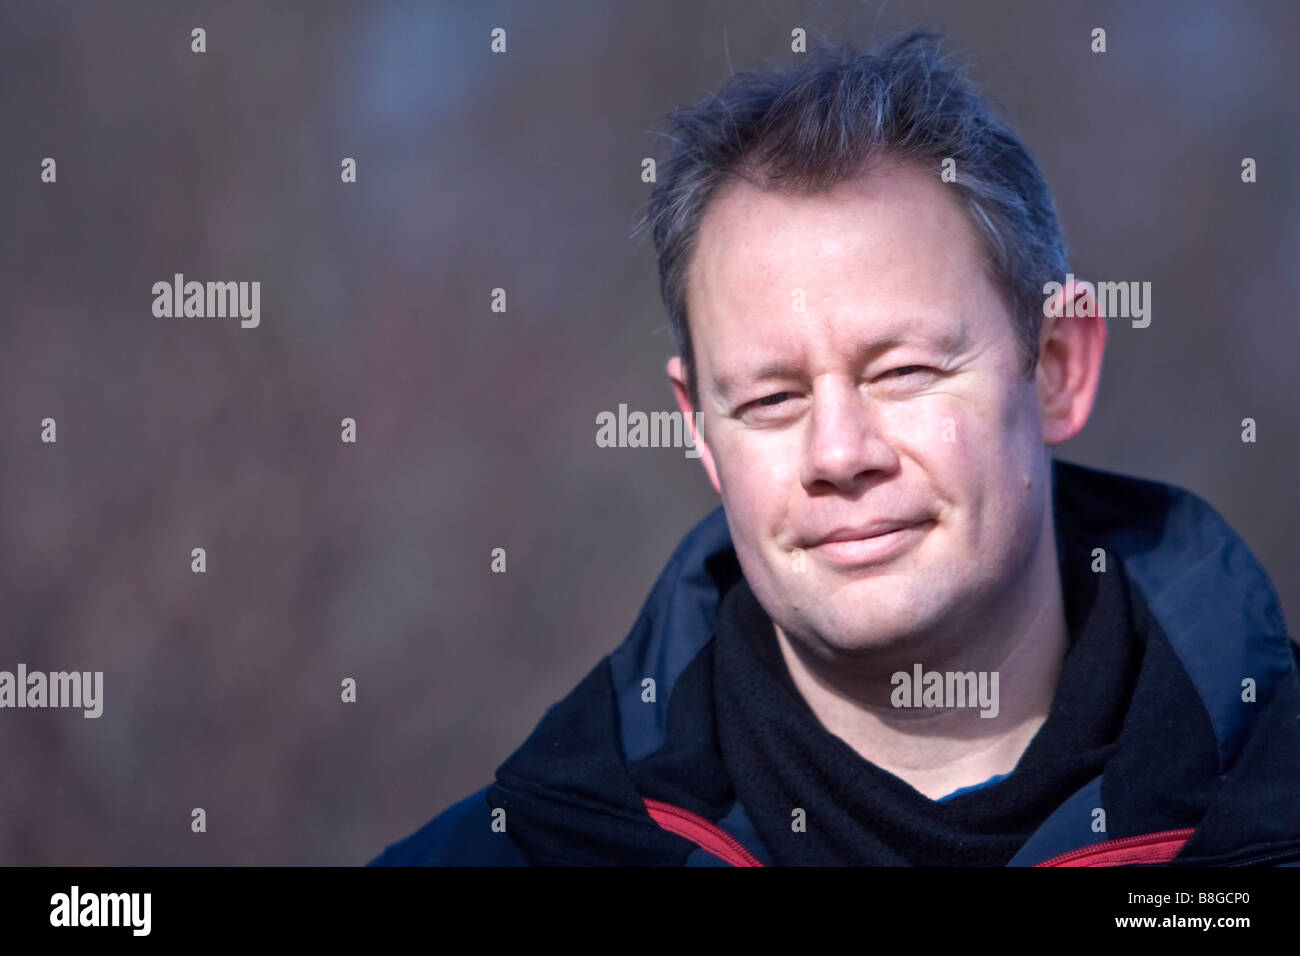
x=908, y=368
x=776, y=399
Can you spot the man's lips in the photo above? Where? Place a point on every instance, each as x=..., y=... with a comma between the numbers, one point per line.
x=873, y=530
x=870, y=544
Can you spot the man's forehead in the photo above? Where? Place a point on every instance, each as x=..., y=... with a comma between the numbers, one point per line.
x=897, y=194
x=891, y=233
x=755, y=317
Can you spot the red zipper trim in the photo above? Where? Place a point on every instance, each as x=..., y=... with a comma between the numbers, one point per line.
x=700, y=831
x=1146, y=848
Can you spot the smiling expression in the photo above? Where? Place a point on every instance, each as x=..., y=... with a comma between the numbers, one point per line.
x=864, y=415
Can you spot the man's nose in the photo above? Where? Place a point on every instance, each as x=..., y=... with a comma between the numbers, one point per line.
x=846, y=441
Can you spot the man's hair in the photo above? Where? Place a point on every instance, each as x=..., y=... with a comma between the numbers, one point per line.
x=832, y=117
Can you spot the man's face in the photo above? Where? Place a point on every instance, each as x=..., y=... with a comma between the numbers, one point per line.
x=858, y=375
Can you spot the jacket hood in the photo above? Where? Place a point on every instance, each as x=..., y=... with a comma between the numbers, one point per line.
x=1208, y=762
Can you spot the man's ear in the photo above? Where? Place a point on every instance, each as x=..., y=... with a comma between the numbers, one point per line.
x=1070, y=348
x=677, y=375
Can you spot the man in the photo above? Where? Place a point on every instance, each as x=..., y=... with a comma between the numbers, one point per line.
x=909, y=636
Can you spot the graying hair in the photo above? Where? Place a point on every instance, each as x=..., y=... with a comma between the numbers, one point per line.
x=832, y=117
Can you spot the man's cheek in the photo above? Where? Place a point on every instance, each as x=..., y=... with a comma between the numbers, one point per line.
x=744, y=476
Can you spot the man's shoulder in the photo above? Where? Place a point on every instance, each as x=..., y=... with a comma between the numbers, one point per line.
x=462, y=835
x=600, y=723
x=1176, y=547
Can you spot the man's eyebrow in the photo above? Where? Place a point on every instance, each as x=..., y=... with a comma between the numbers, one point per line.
x=775, y=369
x=951, y=340
x=729, y=384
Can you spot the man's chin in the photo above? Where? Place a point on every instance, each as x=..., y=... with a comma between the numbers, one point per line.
x=847, y=643
x=863, y=612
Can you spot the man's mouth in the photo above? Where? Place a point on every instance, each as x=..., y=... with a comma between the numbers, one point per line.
x=874, y=543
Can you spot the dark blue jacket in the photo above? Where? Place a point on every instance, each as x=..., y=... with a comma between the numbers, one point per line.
x=599, y=782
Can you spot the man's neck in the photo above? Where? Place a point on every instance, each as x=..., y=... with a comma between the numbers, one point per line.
x=939, y=749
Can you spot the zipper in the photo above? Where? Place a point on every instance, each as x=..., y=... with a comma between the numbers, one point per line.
x=1158, y=847
x=1145, y=848
x=701, y=832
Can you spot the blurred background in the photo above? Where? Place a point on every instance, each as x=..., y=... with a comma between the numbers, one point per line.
x=476, y=429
